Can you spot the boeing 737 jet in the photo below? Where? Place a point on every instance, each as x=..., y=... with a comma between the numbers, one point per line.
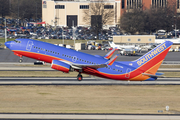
x=67, y=60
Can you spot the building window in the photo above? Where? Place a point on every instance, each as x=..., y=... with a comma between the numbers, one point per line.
x=108, y=6
x=129, y=39
x=84, y=6
x=122, y=4
x=59, y=7
x=159, y=3
x=139, y=39
x=44, y=6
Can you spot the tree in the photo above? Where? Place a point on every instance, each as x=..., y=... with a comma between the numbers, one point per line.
x=4, y=8
x=149, y=20
x=27, y=9
x=99, y=14
x=132, y=22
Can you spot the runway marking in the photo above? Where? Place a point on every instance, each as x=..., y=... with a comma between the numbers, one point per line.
x=88, y=116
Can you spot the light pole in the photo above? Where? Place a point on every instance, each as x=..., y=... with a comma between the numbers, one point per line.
x=18, y=12
x=73, y=32
x=175, y=26
x=175, y=31
x=5, y=33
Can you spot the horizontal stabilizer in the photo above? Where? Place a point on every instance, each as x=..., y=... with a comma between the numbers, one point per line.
x=151, y=75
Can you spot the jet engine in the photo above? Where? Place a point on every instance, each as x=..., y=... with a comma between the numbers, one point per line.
x=61, y=66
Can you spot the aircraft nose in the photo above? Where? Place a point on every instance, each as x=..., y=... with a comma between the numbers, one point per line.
x=7, y=44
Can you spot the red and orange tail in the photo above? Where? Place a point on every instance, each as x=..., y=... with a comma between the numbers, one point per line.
x=151, y=61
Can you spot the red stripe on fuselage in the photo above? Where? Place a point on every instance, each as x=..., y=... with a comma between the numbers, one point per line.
x=38, y=56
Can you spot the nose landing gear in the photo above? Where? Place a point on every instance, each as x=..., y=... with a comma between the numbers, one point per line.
x=20, y=56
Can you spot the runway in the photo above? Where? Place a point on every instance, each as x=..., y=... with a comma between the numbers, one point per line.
x=85, y=81
x=90, y=116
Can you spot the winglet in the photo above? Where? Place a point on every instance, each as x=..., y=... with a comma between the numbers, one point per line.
x=110, y=53
x=111, y=61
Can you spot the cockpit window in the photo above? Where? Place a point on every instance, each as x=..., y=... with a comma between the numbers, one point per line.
x=17, y=41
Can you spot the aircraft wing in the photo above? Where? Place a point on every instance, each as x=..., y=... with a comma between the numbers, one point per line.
x=95, y=66
x=80, y=66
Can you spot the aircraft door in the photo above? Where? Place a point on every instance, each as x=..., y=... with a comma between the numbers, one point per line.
x=127, y=75
x=29, y=45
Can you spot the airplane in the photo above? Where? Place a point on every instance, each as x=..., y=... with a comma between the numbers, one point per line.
x=121, y=47
x=67, y=60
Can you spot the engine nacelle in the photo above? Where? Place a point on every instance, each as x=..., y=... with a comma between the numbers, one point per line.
x=61, y=66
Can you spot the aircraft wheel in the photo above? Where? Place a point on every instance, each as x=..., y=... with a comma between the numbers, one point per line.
x=79, y=77
x=20, y=60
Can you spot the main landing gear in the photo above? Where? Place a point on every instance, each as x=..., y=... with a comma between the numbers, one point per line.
x=79, y=77
x=20, y=60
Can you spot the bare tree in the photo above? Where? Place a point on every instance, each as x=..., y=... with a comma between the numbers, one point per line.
x=149, y=20
x=99, y=14
x=27, y=9
x=132, y=22
x=4, y=8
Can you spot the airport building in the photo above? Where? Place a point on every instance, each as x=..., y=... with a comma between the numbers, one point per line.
x=138, y=39
x=71, y=12
x=128, y=5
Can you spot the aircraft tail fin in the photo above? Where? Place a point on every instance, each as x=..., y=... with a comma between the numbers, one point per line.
x=111, y=43
x=151, y=61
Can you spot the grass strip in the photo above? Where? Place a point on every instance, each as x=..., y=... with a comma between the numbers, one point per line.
x=38, y=74
x=90, y=99
x=59, y=74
